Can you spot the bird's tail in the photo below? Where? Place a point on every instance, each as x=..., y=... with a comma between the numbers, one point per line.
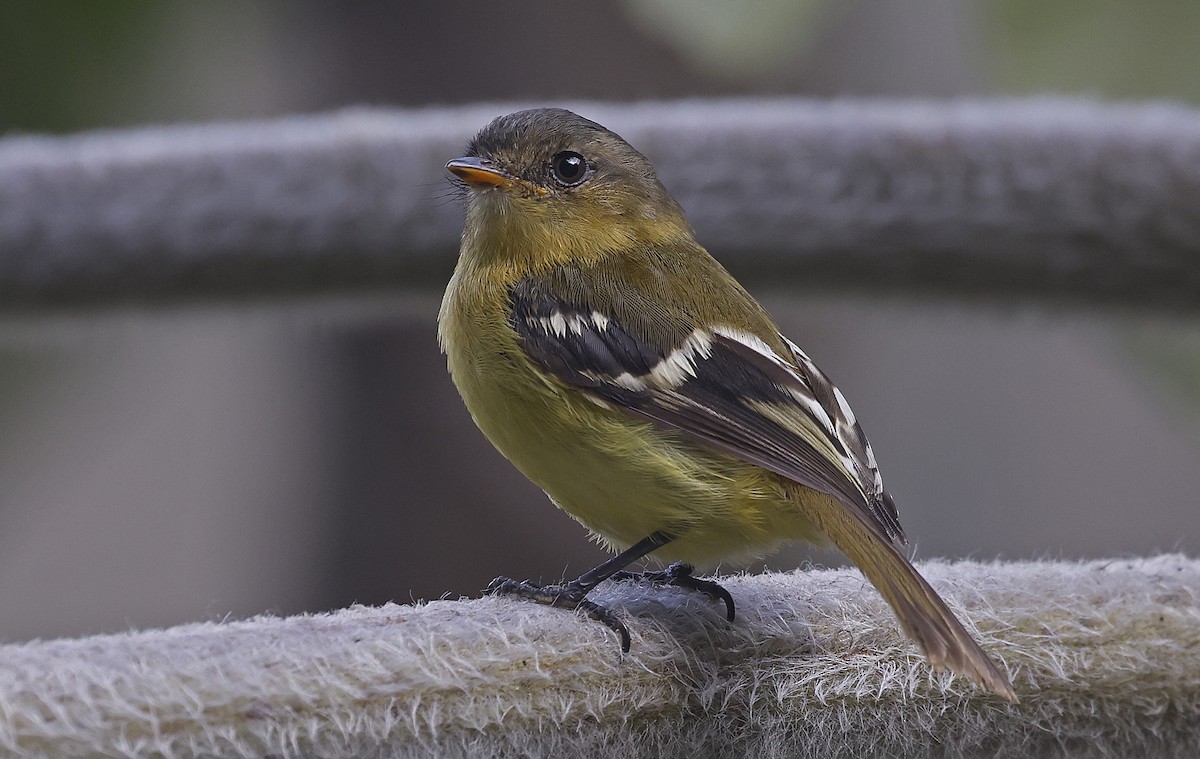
x=922, y=613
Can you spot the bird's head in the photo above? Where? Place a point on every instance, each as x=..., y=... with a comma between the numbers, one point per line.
x=547, y=182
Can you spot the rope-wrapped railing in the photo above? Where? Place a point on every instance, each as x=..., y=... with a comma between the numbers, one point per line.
x=1029, y=197
x=1104, y=656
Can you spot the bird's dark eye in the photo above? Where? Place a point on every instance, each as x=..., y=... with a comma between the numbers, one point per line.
x=569, y=168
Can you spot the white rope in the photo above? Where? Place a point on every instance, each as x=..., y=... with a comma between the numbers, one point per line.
x=1104, y=655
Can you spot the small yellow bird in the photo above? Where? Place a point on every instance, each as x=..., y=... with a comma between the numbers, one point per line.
x=606, y=354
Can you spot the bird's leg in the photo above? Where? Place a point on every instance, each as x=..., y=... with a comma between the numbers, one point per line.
x=571, y=595
x=680, y=575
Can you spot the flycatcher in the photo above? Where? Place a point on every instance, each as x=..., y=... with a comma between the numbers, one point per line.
x=606, y=354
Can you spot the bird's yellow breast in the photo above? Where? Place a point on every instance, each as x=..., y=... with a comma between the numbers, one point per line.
x=622, y=478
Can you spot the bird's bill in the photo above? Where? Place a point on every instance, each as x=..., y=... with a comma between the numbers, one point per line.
x=479, y=172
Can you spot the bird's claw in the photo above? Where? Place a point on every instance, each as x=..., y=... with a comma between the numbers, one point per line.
x=680, y=575
x=563, y=596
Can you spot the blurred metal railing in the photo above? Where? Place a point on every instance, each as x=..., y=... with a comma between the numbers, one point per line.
x=1066, y=199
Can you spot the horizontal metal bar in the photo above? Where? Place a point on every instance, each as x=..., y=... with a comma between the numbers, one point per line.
x=1041, y=198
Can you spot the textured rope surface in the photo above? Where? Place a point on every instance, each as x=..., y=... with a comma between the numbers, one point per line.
x=1105, y=656
x=1026, y=196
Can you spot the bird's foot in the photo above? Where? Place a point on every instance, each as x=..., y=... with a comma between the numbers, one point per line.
x=680, y=575
x=567, y=595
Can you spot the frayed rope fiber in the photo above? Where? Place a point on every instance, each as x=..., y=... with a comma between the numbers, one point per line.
x=1105, y=657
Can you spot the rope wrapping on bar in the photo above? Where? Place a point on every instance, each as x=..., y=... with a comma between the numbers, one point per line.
x=1105, y=657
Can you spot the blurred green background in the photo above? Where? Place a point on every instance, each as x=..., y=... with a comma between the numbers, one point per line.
x=196, y=460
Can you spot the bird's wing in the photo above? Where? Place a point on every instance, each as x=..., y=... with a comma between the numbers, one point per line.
x=731, y=390
x=715, y=384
